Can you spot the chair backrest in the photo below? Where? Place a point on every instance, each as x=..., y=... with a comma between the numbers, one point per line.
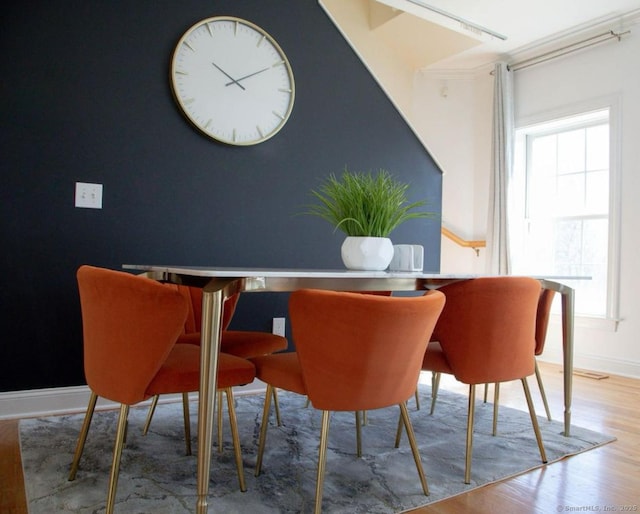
x=359, y=351
x=487, y=328
x=542, y=318
x=193, y=296
x=130, y=325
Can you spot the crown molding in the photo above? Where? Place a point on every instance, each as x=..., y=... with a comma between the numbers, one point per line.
x=617, y=24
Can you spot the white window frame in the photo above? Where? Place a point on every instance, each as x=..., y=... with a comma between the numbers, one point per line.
x=611, y=318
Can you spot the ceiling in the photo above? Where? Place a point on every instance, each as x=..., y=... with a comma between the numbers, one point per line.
x=410, y=29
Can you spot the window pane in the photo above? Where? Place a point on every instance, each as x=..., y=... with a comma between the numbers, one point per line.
x=596, y=241
x=570, y=194
x=541, y=188
x=592, y=297
x=563, y=229
x=597, y=197
x=581, y=250
x=537, y=252
x=543, y=157
x=598, y=148
x=543, y=197
x=571, y=151
x=568, y=247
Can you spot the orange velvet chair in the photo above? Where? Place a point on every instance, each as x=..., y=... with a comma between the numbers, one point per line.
x=241, y=343
x=542, y=323
x=360, y=417
x=355, y=352
x=130, y=327
x=486, y=334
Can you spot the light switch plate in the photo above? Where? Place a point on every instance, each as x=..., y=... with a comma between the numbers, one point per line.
x=88, y=196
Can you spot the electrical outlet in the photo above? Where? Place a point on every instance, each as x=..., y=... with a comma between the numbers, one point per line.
x=278, y=326
x=88, y=196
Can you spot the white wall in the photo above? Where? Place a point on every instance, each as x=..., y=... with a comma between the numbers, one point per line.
x=458, y=130
x=451, y=118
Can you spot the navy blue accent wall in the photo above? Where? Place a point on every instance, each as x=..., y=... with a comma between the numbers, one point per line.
x=85, y=97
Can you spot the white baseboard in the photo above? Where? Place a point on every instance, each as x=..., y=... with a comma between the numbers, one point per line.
x=628, y=369
x=69, y=400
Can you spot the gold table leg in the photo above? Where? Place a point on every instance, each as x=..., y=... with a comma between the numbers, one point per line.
x=212, y=302
x=567, y=351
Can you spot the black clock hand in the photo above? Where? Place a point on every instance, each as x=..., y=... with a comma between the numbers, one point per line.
x=233, y=81
x=245, y=77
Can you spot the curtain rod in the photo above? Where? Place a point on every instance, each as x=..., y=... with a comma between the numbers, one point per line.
x=594, y=40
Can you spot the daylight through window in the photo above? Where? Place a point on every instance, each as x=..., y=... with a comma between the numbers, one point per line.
x=561, y=212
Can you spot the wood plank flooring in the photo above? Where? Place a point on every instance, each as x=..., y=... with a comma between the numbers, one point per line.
x=604, y=479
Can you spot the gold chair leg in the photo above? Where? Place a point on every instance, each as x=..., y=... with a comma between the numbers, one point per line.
x=235, y=437
x=219, y=418
x=414, y=447
x=399, y=431
x=470, y=415
x=542, y=393
x=358, y=434
x=276, y=404
x=82, y=437
x=322, y=459
x=187, y=422
x=263, y=428
x=534, y=420
x=486, y=392
x=152, y=410
x=117, y=453
x=417, y=399
x=435, y=385
x=496, y=405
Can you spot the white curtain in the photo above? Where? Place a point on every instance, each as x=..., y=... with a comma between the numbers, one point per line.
x=501, y=166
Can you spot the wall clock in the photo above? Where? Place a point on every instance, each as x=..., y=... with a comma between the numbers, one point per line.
x=232, y=81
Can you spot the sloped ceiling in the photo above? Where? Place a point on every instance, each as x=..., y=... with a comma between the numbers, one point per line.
x=421, y=37
x=414, y=40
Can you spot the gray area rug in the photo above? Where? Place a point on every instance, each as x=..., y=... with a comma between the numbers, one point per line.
x=156, y=477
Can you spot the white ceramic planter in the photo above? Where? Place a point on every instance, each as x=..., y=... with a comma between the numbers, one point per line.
x=367, y=253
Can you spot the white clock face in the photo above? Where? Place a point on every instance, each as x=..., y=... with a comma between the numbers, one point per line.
x=232, y=81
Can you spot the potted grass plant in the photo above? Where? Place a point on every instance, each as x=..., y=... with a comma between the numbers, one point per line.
x=367, y=207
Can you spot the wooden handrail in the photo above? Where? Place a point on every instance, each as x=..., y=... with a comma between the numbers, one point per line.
x=476, y=245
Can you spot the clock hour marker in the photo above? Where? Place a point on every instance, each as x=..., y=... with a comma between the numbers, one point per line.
x=206, y=125
x=180, y=72
x=209, y=29
x=279, y=63
x=188, y=101
x=285, y=90
x=260, y=41
x=235, y=29
x=259, y=131
x=234, y=135
x=278, y=115
x=189, y=46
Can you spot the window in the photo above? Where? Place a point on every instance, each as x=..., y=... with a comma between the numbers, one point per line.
x=561, y=213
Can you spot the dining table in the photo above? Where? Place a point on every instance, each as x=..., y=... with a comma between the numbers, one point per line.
x=219, y=283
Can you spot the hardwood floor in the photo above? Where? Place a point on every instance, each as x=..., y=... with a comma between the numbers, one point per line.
x=12, y=498
x=604, y=479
